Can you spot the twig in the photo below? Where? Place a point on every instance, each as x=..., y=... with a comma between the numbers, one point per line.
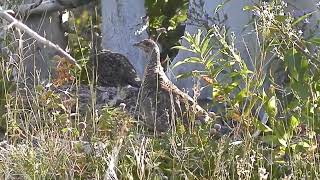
x=49, y=6
x=14, y=22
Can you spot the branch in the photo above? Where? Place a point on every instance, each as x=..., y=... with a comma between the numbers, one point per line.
x=14, y=22
x=44, y=6
x=49, y=6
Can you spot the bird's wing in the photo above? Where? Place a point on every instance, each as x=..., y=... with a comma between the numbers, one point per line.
x=115, y=69
x=167, y=85
x=129, y=72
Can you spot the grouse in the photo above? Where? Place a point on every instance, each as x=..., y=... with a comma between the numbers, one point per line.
x=112, y=69
x=160, y=100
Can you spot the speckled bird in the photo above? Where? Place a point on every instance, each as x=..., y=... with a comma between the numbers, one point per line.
x=160, y=101
x=112, y=69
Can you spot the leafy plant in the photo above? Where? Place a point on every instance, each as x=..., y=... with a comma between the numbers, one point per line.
x=170, y=16
x=291, y=101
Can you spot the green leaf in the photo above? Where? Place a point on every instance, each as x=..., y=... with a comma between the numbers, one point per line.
x=302, y=18
x=304, y=144
x=210, y=59
x=183, y=48
x=194, y=73
x=293, y=122
x=281, y=18
x=184, y=75
x=197, y=38
x=204, y=47
x=270, y=139
x=64, y=130
x=300, y=89
x=189, y=60
x=188, y=37
x=209, y=64
x=241, y=95
x=272, y=106
x=262, y=127
x=283, y=142
x=297, y=64
x=215, y=92
x=249, y=8
x=315, y=41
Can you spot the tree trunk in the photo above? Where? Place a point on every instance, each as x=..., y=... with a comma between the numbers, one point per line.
x=122, y=26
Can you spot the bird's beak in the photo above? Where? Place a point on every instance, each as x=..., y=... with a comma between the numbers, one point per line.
x=136, y=44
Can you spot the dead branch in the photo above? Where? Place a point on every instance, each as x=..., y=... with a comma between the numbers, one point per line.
x=14, y=22
x=49, y=6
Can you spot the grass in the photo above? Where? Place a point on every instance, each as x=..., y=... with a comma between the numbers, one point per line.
x=48, y=143
x=62, y=146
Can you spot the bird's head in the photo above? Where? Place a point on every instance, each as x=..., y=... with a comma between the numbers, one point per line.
x=147, y=45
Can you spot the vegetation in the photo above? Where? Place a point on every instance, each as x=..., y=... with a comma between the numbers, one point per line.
x=167, y=15
x=45, y=139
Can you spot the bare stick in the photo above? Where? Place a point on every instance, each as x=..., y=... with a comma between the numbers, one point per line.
x=14, y=22
x=45, y=6
x=49, y=6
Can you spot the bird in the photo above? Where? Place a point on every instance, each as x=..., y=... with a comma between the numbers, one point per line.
x=161, y=101
x=111, y=69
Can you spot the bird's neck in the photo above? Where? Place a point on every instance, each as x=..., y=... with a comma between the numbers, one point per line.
x=154, y=58
x=154, y=66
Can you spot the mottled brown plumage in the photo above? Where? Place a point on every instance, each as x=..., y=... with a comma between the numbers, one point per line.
x=112, y=69
x=161, y=102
